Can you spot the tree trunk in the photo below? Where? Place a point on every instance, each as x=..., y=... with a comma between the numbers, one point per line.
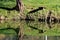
x=20, y=8
x=21, y=15
x=20, y=34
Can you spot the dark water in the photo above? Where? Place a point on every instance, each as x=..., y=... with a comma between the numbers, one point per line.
x=32, y=30
x=7, y=37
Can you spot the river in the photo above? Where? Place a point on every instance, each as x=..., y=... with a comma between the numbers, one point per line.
x=33, y=30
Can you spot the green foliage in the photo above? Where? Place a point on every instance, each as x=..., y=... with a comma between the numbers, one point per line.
x=7, y=3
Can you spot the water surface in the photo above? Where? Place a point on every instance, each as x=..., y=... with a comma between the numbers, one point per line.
x=33, y=30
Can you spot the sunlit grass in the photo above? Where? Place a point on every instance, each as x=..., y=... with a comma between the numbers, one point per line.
x=53, y=5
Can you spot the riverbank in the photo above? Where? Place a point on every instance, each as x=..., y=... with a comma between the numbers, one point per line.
x=33, y=27
x=30, y=5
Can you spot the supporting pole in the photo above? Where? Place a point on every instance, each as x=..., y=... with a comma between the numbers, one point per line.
x=46, y=37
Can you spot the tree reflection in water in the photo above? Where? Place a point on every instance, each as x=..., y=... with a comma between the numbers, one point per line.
x=41, y=27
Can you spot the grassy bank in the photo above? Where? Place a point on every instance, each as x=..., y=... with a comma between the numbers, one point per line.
x=53, y=5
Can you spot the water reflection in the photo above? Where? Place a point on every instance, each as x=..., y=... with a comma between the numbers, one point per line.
x=29, y=28
x=41, y=38
x=50, y=25
x=7, y=37
x=33, y=25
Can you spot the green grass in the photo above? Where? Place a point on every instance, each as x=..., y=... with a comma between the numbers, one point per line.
x=8, y=3
x=53, y=5
x=8, y=32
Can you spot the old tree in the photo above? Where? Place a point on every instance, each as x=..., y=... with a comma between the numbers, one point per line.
x=20, y=7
